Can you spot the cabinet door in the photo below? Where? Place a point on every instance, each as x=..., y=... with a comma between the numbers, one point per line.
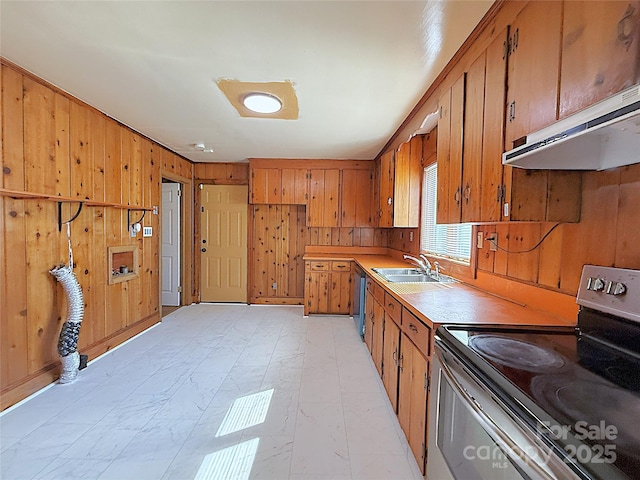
x=472, y=143
x=406, y=192
x=368, y=320
x=390, y=352
x=357, y=198
x=294, y=186
x=450, y=147
x=340, y=293
x=418, y=424
x=599, y=51
x=493, y=134
x=266, y=186
x=532, y=92
x=404, y=384
x=412, y=398
x=317, y=292
x=386, y=182
x=324, y=194
x=443, y=156
x=378, y=335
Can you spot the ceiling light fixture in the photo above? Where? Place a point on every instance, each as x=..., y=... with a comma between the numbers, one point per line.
x=262, y=103
x=203, y=148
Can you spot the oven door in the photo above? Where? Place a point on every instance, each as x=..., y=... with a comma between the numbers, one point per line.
x=473, y=435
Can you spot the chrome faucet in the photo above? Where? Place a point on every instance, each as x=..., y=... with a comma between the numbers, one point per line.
x=438, y=268
x=427, y=263
x=422, y=263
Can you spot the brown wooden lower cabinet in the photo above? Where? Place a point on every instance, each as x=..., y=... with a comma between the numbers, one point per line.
x=399, y=347
x=368, y=314
x=391, y=359
x=412, y=398
x=327, y=287
x=378, y=334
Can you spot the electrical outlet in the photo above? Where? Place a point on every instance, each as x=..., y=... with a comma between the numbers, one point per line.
x=274, y=286
x=492, y=238
x=480, y=242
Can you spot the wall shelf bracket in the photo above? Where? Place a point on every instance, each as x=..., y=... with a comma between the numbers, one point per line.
x=60, y=222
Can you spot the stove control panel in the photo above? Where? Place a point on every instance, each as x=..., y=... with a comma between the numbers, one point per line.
x=609, y=287
x=605, y=289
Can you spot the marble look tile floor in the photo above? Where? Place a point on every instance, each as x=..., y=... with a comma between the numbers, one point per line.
x=216, y=392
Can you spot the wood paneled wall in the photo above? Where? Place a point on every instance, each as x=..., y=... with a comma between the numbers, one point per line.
x=607, y=234
x=222, y=173
x=53, y=144
x=279, y=239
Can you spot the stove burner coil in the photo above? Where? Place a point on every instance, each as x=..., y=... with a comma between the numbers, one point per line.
x=516, y=353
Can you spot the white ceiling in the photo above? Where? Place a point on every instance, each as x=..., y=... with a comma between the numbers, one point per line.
x=358, y=67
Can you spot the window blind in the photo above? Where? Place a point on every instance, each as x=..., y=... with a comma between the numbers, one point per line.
x=452, y=241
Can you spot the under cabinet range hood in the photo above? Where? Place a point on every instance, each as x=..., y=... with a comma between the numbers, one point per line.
x=605, y=135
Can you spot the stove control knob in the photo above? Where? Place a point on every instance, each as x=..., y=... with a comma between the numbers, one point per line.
x=597, y=284
x=618, y=289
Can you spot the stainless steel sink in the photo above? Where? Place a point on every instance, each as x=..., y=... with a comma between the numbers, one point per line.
x=397, y=271
x=421, y=278
x=410, y=275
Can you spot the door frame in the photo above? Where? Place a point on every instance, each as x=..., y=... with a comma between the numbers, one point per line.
x=186, y=246
x=197, y=234
x=178, y=273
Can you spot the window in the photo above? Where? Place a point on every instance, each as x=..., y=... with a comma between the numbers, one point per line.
x=452, y=241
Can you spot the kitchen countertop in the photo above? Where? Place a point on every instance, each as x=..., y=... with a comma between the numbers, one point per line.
x=449, y=303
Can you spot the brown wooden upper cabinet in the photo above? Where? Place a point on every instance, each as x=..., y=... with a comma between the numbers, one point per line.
x=266, y=185
x=357, y=198
x=324, y=198
x=295, y=186
x=599, y=51
x=473, y=185
x=386, y=172
x=533, y=66
x=399, y=176
x=471, y=139
x=279, y=185
x=449, y=155
x=460, y=147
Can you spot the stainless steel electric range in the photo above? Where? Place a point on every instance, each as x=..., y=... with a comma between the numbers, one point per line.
x=542, y=403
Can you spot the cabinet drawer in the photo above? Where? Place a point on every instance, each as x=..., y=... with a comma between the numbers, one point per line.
x=340, y=266
x=393, y=308
x=371, y=285
x=378, y=292
x=319, y=265
x=417, y=331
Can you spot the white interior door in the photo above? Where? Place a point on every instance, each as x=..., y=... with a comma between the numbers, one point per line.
x=171, y=244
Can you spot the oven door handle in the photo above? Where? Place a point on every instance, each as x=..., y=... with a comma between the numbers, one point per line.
x=504, y=442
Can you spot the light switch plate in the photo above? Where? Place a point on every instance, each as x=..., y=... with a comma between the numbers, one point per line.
x=147, y=231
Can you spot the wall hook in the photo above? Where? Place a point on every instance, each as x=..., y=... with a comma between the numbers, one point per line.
x=60, y=222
